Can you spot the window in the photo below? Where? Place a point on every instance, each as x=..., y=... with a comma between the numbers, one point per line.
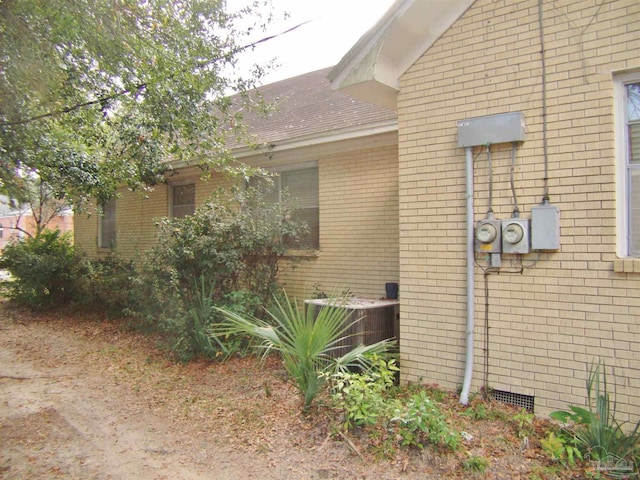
x=107, y=225
x=628, y=143
x=183, y=200
x=302, y=184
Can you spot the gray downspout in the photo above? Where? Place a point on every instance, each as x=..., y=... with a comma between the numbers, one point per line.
x=468, y=369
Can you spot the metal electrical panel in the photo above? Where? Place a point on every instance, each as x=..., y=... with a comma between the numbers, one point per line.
x=515, y=236
x=503, y=128
x=545, y=227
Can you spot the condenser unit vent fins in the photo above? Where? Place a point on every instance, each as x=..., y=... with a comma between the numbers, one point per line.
x=517, y=399
x=370, y=321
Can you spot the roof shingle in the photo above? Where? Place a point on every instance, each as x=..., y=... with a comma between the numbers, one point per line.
x=307, y=106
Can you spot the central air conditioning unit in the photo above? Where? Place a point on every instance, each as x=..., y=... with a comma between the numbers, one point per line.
x=377, y=320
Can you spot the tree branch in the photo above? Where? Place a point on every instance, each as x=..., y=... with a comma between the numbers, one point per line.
x=126, y=91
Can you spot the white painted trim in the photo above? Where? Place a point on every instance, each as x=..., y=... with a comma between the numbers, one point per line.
x=371, y=70
x=621, y=153
x=353, y=133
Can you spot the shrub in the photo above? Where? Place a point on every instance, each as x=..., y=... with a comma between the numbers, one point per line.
x=43, y=269
x=367, y=399
x=363, y=395
x=111, y=285
x=420, y=422
x=235, y=240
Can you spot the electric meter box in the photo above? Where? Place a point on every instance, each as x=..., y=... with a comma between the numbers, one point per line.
x=488, y=236
x=492, y=129
x=545, y=227
x=515, y=236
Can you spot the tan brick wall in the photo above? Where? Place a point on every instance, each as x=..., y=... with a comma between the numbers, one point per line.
x=358, y=192
x=567, y=307
x=358, y=226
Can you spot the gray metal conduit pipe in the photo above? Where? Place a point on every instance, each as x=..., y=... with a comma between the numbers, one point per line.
x=468, y=369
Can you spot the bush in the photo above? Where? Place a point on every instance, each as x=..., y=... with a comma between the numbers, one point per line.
x=368, y=400
x=111, y=285
x=235, y=241
x=43, y=268
x=363, y=395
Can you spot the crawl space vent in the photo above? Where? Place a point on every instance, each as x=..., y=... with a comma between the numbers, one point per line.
x=517, y=399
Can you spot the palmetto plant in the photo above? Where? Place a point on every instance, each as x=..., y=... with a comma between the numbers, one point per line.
x=305, y=340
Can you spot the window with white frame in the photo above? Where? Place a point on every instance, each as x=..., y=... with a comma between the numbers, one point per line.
x=107, y=225
x=183, y=200
x=628, y=147
x=301, y=182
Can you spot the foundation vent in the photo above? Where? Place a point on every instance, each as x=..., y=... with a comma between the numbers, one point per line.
x=517, y=399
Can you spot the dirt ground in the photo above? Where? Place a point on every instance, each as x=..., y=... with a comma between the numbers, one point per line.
x=85, y=399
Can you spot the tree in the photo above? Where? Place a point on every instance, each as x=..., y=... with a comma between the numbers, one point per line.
x=37, y=203
x=100, y=93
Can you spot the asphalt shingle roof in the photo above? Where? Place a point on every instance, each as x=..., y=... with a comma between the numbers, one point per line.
x=307, y=106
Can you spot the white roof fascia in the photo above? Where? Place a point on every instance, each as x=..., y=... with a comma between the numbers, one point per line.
x=371, y=70
x=350, y=133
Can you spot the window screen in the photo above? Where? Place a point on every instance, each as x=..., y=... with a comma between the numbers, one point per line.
x=107, y=230
x=303, y=186
x=183, y=200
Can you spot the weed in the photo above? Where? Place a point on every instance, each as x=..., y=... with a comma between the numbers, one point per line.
x=362, y=395
x=477, y=412
x=560, y=449
x=524, y=422
x=420, y=421
x=475, y=464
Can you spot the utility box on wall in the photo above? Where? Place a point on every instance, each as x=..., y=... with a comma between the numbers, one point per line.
x=492, y=129
x=545, y=227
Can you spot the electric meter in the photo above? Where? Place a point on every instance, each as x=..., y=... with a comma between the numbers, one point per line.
x=488, y=237
x=512, y=233
x=486, y=233
x=515, y=236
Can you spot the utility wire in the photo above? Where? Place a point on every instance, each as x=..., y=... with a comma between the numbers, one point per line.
x=139, y=87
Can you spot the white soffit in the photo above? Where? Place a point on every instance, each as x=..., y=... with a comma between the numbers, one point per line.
x=371, y=70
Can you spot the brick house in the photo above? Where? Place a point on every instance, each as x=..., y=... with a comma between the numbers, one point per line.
x=399, y=192
x=570, y=70
x=17, y=223
x=335, y=153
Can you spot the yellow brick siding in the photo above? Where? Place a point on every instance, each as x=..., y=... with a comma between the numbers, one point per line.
x=358, y=193
x=569, y=306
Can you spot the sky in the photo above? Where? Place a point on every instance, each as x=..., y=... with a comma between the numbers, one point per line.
x=334, y=27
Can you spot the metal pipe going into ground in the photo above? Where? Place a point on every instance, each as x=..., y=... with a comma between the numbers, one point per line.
x=468, y=369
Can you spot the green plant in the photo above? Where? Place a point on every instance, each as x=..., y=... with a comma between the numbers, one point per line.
x=476, y=412
x=420, y=421
x=361, y=395
x=560, y=449
x=524, y=423
x=43, y=269
x=304, y=339
x=110, y=285
x=475, y=464
x=595, y=430
x=235, y=239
